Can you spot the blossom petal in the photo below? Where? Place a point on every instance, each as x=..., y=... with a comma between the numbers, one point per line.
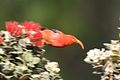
x=37, y=39
x=31, y=26
x=13, y=28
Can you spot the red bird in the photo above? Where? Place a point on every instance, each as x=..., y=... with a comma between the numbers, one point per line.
x=59, y=39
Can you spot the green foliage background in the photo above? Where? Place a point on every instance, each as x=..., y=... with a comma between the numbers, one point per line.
x=92, y=21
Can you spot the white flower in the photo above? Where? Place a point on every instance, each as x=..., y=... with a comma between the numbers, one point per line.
x=115, y=45
x=96, y=55
x=109, y=68
x=44, y=76
x=1, y=51
x=117, y=76
x=52, y=67
x=24, y=41
x=7, y=36
x=35, y=76
x=21, y=68
x=8, y=65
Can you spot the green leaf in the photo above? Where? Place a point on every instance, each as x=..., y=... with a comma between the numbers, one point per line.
x=27, y=56
x=35, y=60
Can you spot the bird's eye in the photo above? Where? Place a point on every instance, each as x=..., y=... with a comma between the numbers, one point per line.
x=43, y=28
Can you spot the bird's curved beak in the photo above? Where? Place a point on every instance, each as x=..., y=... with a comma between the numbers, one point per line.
x=80, y=43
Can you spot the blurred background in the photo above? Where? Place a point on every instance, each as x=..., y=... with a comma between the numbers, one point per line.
x=92, y=21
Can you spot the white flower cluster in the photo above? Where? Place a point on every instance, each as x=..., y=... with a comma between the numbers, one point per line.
x=107, y=59
x=96, y=55
x=52, y=67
